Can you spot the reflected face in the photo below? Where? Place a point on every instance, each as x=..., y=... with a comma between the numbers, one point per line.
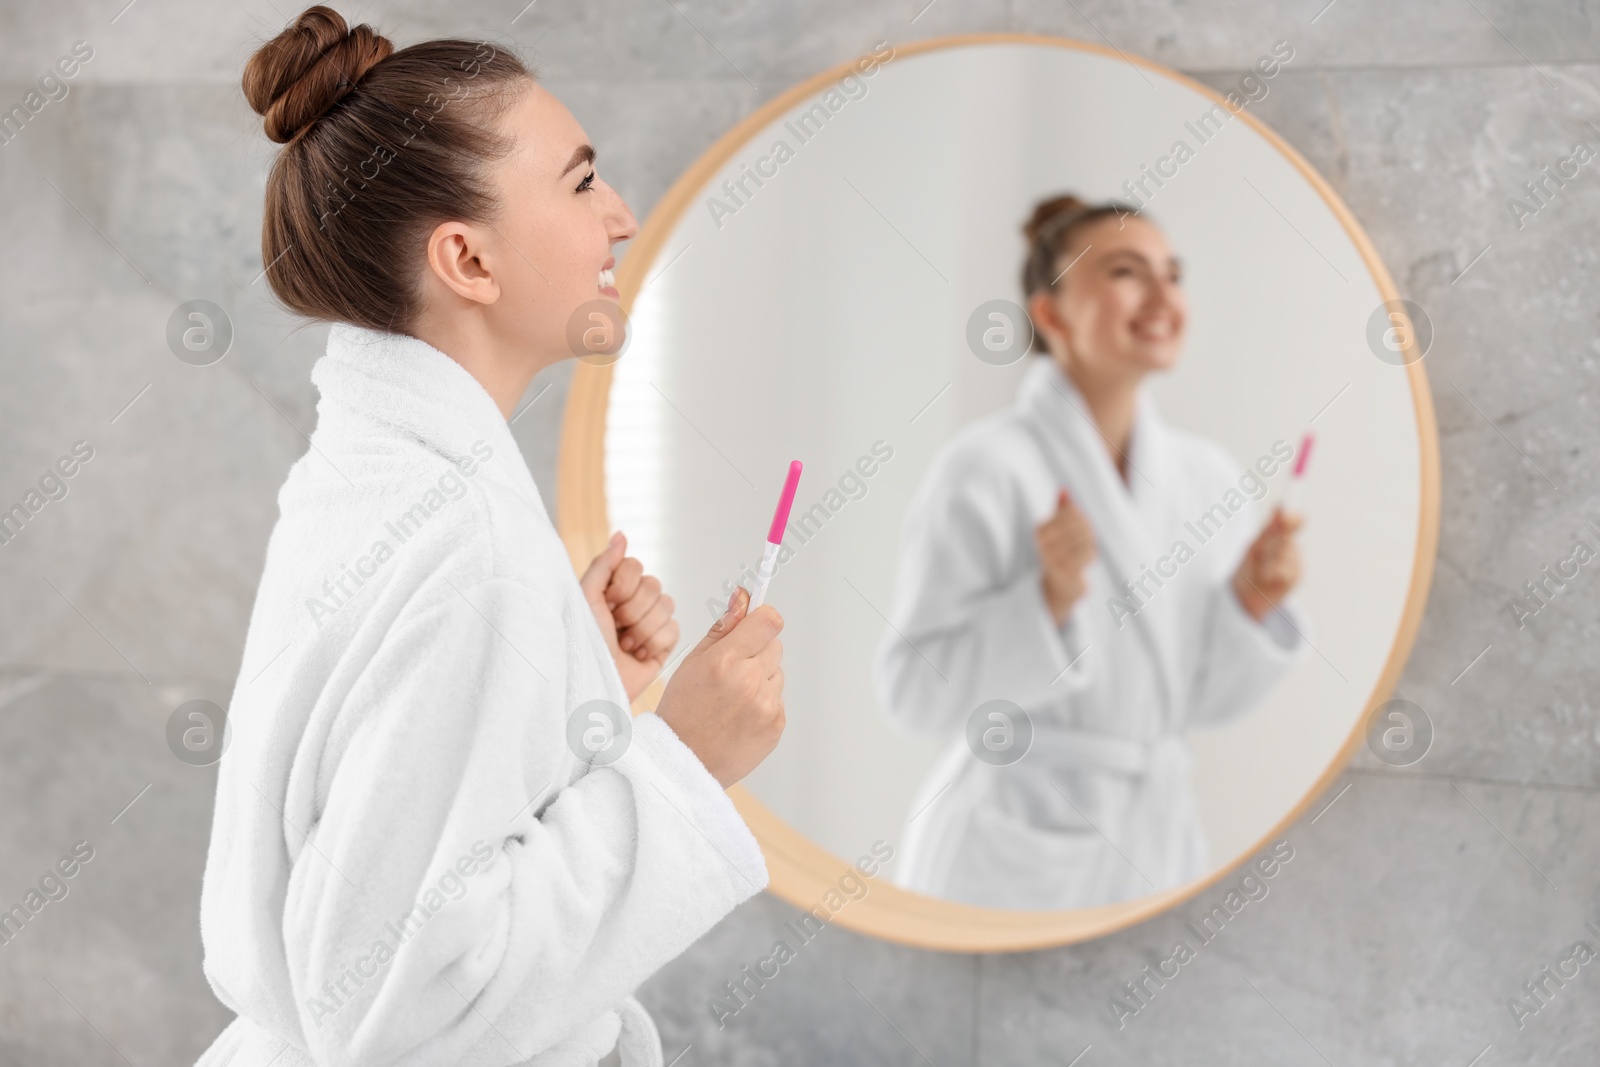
x=559, y=223
x=1120, y=309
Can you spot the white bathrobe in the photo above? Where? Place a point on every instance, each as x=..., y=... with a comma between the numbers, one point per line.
x=409, y=863
x=1100, y=808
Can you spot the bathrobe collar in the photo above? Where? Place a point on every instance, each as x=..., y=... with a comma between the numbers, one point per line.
x=1057, y=407
x=1126, y=517
x=391, y=381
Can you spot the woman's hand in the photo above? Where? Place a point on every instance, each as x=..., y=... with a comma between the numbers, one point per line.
x=1271, y=568
x=634, y=615
x=1066, y=548
x=725, y=700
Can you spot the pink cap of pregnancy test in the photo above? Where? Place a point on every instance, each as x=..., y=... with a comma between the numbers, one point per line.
x=780, y=518
x=1305, y=454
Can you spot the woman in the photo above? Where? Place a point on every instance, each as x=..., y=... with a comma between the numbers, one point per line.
x=438, y=836
x=1042, y=569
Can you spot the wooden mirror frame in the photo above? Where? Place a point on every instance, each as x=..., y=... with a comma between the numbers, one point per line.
x=801, y=871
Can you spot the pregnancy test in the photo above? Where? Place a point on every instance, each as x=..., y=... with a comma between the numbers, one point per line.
x=780, y=519
x=1291, y=492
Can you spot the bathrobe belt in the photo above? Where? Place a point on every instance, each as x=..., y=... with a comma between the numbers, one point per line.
x=1081, y=749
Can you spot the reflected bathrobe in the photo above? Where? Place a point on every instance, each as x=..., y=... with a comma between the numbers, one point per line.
x=1100, y=808
x=410, y=863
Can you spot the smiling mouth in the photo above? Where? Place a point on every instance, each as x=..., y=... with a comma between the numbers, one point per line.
x=1154, y=330
x=607, y=279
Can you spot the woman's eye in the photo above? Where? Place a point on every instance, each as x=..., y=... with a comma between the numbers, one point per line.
x=587, y=183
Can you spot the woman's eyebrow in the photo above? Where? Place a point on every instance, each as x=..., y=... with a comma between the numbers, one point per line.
x=584, y=154
x=1172, y=261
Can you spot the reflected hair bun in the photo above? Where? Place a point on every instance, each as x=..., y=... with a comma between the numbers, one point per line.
x=1048, y=211
x=298, y=76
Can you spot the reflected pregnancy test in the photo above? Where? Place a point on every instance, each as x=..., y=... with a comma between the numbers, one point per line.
x=780, y=519
x=1291, y=492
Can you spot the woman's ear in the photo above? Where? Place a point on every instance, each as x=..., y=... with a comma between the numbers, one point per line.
x=1047, y=321
x=458, y=257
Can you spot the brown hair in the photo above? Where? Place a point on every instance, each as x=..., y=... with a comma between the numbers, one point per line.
x=379, y=147
x=1049, y=231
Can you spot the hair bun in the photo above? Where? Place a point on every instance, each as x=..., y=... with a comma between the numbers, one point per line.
x=1057, y=207
x=298, y=76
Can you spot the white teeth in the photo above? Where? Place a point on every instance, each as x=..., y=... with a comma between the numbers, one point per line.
x=606, y=279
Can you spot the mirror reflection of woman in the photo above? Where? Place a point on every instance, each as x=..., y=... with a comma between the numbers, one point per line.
x=1041, y=567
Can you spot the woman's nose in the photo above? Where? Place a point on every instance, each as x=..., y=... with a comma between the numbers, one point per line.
x=620, y=223
x=1165, y=295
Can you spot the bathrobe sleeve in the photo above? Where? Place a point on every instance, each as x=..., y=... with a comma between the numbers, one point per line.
x=969, y=621
x=1242, y=659
x=457, y=901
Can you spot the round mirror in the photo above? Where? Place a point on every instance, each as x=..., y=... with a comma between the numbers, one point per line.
x=1111, y=536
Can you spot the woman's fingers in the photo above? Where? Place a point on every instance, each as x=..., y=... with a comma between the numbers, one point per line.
x=770, y=657
x=625, y=581
x=1067, y=547
x=603, y=567
x=1286, y=568
x=641, y=617
x=1277, y=538
x=1278, y=546
x=658, y=644
x=754, y=632
x=646, y=598
x=1283, y=523
x=1276, y=566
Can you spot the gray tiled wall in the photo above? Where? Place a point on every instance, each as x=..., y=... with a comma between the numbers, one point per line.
x=1415, y=906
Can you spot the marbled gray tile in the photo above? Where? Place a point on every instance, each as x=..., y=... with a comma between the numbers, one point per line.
x=841, y=999
x=775, y=45
x=765, y=46
x=123, y=946
x=1233, y=34
x=137, y=42
x=148, y=565
x=1395, y=935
